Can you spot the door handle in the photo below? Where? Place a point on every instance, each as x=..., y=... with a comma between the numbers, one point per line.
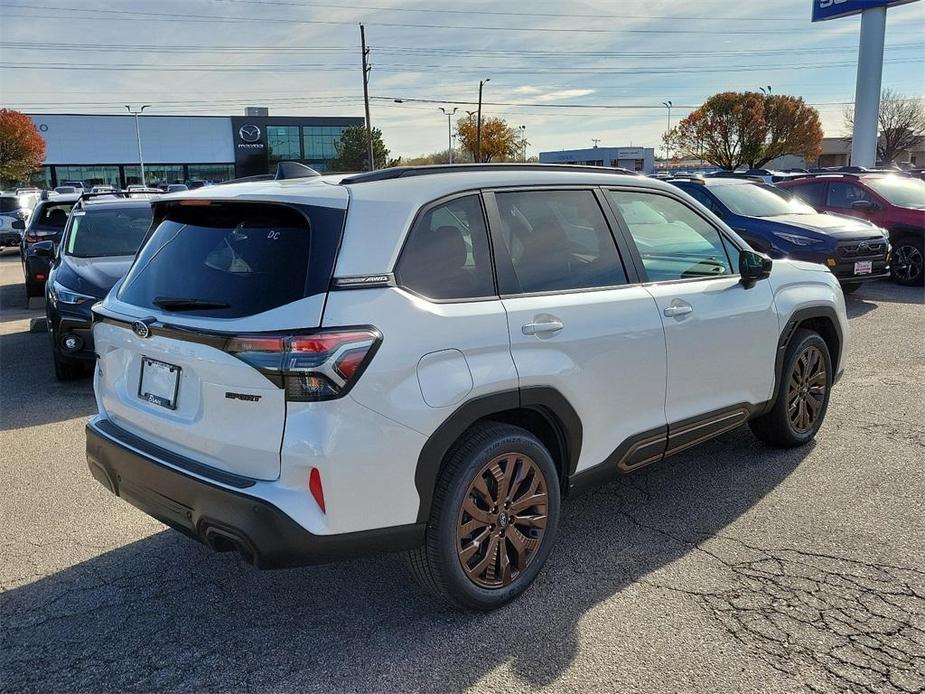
x=542, y=327
x=678, y=308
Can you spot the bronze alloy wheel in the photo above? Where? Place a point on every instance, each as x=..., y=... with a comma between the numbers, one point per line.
x=806, y=391
x=502, y=520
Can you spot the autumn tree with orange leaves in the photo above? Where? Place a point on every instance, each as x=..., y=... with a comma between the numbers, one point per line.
x=22, y=149
x=750, y=129
x=500, y=141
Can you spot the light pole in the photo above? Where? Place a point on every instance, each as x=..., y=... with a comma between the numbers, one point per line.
x=141, y=161
x=449, y=130
x=667, y=104
x=523, y=143
x=765, y=90
x=478, y=123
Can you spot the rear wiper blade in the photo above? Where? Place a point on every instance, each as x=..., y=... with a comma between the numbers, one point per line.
x=172, y=303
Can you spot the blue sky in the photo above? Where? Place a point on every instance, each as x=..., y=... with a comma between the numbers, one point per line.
x=216, y=56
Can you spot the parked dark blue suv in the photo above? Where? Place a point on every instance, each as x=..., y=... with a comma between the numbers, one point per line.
x=775, y=222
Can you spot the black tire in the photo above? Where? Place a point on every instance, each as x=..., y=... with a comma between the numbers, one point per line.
x=67, y=370
x=437, y=565
x=850, y=287
x=906, y=265
x=777, y=428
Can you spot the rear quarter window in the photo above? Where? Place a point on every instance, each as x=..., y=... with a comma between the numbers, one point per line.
x=234, y=259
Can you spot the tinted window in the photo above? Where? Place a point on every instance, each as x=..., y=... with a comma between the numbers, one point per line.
x=558, y=240
x=446, y=255
x=841, y=195
x=812, y=193
x=10, y=203
x=107, y=232
x=673, y=241
x=702, y=196
x=51, y=215
x=244, y=259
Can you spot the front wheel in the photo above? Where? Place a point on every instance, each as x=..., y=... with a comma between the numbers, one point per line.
x=906, y=266
x=802, y=394
x=493, y=520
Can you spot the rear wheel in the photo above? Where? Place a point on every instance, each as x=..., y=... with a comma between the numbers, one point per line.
x=850, y=287
x=906, y=265
x=493, y=521
x=802, y=394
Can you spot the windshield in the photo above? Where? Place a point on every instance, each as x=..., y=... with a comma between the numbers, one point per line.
x=109, y=232
x=903, y=192
x=759, y=200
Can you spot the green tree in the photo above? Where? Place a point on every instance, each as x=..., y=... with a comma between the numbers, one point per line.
x=22, y=149
x=352, y=152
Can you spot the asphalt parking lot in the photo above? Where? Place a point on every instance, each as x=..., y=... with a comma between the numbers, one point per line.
x=731, y=567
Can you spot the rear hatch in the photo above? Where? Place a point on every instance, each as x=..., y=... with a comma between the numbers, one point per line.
x=183, y=339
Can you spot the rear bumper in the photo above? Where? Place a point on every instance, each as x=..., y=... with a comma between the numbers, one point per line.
x=224, y=519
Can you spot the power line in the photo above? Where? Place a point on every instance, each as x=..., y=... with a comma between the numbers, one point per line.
x=173, y=17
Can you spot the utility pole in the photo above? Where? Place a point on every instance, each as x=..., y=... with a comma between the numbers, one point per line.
x=478, y=124
x=667, y=104
x=449, y=130
x=369, y=127
x=523, y=143
x=141, y=162
x=596, y=141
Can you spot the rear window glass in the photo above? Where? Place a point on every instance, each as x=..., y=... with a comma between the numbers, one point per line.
x=107, y=232
x=227, y=260
x=10, y=204
x=51, y=215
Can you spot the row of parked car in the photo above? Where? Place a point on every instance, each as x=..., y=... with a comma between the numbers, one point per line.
x=862, y=226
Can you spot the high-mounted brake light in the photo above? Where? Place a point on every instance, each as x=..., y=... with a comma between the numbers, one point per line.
x=318, y=366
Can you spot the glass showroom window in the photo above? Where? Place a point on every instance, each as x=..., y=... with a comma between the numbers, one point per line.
x=283, y=142
x=88, y=175
x=215, y=173
x=320, y=142
x=154, y=174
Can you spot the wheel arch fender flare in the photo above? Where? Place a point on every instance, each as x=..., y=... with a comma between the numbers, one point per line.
x=832, y=335
x=544, y=401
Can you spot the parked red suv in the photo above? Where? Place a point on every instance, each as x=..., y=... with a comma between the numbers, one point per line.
x=894, y=202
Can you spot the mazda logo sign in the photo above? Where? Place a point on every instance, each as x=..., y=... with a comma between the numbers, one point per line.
x=141, y=329
x=249, y=133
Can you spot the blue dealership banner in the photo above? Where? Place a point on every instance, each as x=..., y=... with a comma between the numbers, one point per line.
x=832, y=9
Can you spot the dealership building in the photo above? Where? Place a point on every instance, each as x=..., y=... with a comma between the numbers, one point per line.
x=98, y=149
x=640, y=159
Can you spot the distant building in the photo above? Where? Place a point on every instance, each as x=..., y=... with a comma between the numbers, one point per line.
x=103, y=149
x=633, y=158
x=836, y=151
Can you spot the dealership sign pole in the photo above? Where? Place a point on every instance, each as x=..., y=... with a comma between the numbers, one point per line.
x=870, y=68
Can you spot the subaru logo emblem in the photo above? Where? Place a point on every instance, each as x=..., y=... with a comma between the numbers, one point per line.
x=249, y=133
x=863, y=246
x=140, y=329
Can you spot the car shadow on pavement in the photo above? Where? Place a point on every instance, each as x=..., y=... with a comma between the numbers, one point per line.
x=29, y=393
x=166, y=613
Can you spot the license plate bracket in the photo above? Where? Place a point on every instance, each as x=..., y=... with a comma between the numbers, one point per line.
x=159, y=382
x=863, y=267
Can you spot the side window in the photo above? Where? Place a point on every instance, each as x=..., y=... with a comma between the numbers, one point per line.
x=446, y=255
x=558, y=240
x=673, y=241
x=812, y=193
x=841, y=195
x=700, y=195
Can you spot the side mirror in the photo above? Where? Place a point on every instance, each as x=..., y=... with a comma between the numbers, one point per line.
x=862, y=205
x=44, y=249
x=754, y=266
x=19, y=225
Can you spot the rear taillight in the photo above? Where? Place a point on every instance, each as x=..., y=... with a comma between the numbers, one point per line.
x=31, y=237
x=317, y=366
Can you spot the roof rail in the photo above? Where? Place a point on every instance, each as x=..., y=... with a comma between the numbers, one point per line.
x=408, y=171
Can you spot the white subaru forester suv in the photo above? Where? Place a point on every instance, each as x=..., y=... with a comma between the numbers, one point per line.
x=427, y=360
